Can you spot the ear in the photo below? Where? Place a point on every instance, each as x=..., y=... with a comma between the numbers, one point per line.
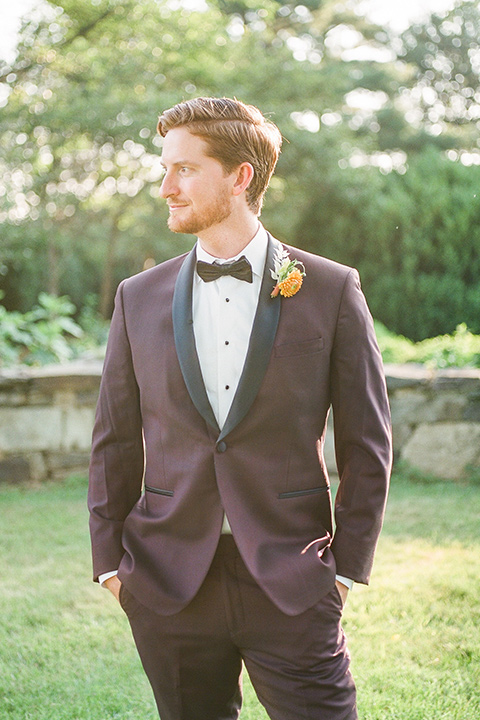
x=244, y=175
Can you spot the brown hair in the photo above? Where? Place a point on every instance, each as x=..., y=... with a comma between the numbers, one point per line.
x=235, y=133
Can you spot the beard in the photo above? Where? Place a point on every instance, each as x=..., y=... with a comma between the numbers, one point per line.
x=193, y=222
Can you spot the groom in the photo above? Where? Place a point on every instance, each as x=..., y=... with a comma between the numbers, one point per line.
x=211, y=513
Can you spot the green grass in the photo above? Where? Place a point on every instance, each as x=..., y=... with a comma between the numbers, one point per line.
x=66, y=651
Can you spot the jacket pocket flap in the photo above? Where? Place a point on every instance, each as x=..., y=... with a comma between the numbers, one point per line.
x=299, y=493
x=158, y=491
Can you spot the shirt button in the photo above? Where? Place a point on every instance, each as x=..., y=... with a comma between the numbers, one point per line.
x=227, y=299
x=221, y=447
x=227, y=387
x=227, y=342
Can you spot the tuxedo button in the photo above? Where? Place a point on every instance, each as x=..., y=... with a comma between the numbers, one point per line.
x=222, y=446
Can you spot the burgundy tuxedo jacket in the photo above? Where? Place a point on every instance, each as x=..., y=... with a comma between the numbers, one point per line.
x=162, y=473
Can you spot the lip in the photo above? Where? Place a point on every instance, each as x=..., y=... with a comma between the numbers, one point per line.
x=173, y=207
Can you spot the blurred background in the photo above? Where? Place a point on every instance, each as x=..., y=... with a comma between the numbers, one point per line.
x=379, y=105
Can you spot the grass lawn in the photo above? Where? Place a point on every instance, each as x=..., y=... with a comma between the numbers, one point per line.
x=65, y=647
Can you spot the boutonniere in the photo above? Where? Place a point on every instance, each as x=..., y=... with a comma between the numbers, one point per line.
x=288, y=274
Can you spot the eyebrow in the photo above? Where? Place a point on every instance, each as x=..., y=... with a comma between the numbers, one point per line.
x=180, y=163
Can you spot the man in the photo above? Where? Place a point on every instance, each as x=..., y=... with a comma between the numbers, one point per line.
x=208, y=489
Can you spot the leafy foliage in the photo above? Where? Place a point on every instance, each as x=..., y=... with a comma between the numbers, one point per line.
x=444, y=57
x=40, y=335
x=48, y=333
x=460, y=349
x=415, y=239
x=81, y=164
x=379, y=167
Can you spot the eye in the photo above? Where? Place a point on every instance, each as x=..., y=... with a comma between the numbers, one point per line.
x=184, y=170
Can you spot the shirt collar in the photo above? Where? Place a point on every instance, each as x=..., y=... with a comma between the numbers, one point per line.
x=255, y=252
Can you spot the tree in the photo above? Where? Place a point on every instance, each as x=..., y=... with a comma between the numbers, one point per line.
x=443, y=55
x=415, y=239
x=81, y=170
x=78, y=129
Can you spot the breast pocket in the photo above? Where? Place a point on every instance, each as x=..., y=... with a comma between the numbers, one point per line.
x=305, y=347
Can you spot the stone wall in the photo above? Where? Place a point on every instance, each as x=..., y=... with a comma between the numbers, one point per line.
x=436, y=419
x=46, y=419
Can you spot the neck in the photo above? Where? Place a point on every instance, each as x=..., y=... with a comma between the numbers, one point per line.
x=230, y=237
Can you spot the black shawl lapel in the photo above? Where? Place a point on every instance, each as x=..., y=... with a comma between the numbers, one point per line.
x=260, y=347
x=182, y=316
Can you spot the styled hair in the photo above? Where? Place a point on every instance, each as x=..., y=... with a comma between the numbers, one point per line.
x=234, y=133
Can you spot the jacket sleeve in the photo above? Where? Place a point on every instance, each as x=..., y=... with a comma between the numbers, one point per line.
x=362, y=435
x=117, y=459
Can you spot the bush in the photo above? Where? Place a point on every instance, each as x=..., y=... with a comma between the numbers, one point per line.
x=460, y=349
x=415, y=238
x=41, y=335
x=49, y=334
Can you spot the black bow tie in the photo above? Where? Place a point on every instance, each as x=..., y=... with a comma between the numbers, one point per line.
x=240, y=269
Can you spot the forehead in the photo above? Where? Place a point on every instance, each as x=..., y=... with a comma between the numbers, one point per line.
x=180, y=145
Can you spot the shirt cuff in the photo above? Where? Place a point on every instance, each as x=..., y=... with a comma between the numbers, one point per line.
x=105, y=576
x=345, y=581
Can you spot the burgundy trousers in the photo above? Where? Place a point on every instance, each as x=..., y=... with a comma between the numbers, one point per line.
x=299, y=666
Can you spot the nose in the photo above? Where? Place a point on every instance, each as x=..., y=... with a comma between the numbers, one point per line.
x=168, y=186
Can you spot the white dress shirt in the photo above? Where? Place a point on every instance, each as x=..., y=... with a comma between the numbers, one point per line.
x=223, y=314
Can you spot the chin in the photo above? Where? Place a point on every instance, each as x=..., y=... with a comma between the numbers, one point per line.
x=186, y=228
x=189, y=227
x=176, y=225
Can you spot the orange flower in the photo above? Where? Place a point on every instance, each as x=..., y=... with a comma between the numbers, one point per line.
x=288, y=273
x=291, y=284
